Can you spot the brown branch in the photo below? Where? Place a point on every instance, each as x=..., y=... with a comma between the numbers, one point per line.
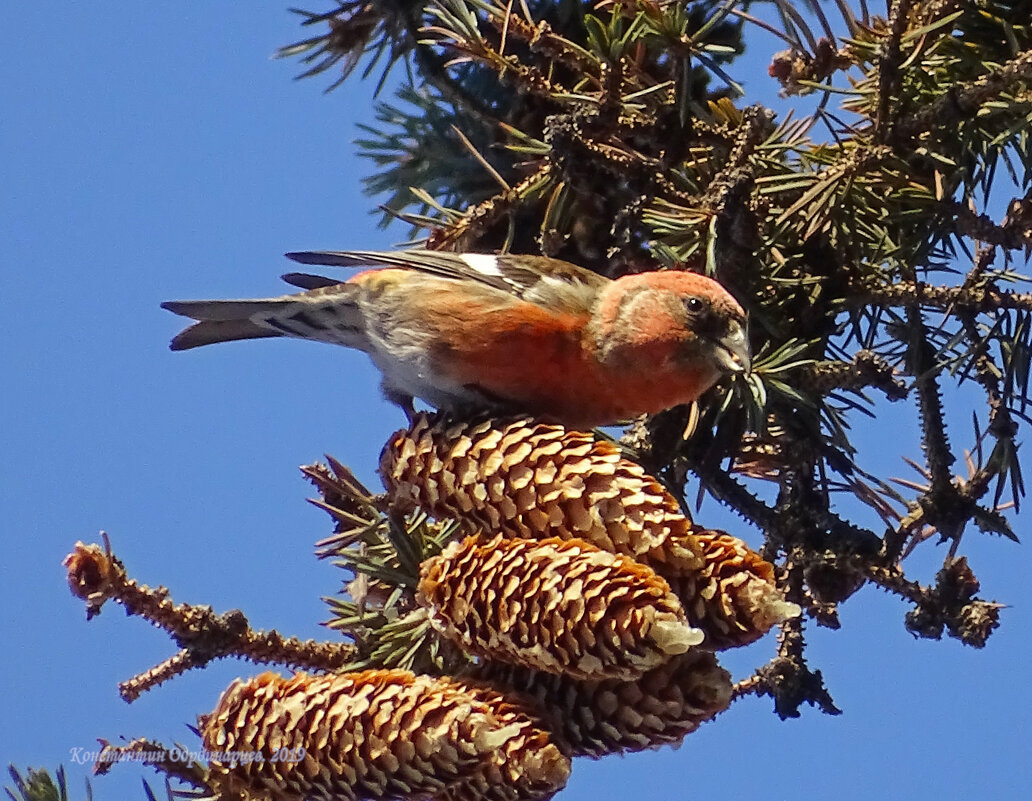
x=95, y=575
x=1001, y=424
x=984, y=258
x=752, y=685
x=934, y=440
x=934, y=10
x=733, y=493
x=452, y=235
x=982, y=228
x=787, y=678
x=950, y=605
x=133, y=688
x=893, y=580
x=916, y=294
x=169, y=761
x=867, y=369
x=436, y=74
x=888, y=68
x=527, y=78
x=728, y=194
x=541, y=38
x=573, y=133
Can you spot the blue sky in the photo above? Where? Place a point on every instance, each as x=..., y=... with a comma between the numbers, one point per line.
x=151, y=151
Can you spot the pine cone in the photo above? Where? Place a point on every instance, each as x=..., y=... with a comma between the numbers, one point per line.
x=494, y=782
x=525, y=479
x=379, y=734
x=562, y=606
x=530, y=480
x=733, y=598
x=597, y=718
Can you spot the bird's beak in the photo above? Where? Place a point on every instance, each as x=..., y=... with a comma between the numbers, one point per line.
x=732, y=350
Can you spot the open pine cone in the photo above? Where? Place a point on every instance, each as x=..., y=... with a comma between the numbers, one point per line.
x=733, y=597
x=530, y=480
x=378, y=735
x=598, y=718
x=562, y=606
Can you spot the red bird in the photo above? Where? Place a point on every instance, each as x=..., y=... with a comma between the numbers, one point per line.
x=470, y=332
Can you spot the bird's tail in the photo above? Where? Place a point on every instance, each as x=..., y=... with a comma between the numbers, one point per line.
x=221, y=321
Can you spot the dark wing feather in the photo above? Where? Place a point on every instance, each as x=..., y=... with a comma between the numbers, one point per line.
x=309, y=281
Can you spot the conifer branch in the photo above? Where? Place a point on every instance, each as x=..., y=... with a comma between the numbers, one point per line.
x=963, y=101
x=95, y=575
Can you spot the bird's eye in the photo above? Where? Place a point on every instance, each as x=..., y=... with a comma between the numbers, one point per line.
x=694, y=305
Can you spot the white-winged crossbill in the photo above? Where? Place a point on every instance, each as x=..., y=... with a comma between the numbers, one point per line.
x=529, y=334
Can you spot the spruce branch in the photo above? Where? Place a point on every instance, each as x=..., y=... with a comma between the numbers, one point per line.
x=732, y=492
x=434, y=68
x=472, y=223
x=888, y=68
x=934, y=440
x=787, y=678
x=963, y=101
x=353, y=29
x=168, y=761
x=540, y=38
x=919, y=294
x=95, y=575
x=457, y=30
x=1009, y=234
x=866, y=369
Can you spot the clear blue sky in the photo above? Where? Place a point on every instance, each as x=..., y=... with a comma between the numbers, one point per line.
x=151, y=151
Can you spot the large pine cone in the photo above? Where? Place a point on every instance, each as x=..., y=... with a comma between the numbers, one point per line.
x=561, y=606
x=378, y=735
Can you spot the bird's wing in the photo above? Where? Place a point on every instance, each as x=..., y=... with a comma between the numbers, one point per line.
x=542, y=280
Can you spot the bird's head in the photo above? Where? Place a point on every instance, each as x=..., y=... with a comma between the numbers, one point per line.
x=688, y=318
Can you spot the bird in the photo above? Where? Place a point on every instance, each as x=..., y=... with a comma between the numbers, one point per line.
x=474, y=332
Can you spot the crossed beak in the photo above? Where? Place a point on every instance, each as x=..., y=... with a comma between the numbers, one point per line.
x=732, y=350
